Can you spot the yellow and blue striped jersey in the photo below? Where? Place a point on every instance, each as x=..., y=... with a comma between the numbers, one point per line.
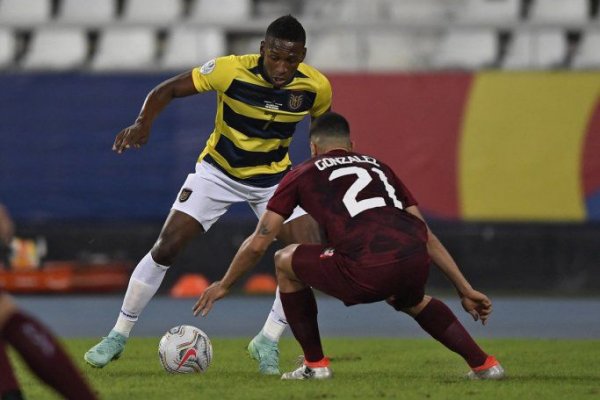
x=255, y=121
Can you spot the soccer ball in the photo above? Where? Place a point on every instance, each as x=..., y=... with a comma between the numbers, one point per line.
x=185, y=349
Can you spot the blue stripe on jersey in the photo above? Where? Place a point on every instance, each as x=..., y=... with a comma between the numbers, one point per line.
x=239, y=158
x=255, y=128
x=260, y=96
x=260, y=180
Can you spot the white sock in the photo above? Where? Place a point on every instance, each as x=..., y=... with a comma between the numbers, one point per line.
x=276, y=322
x=143, y=284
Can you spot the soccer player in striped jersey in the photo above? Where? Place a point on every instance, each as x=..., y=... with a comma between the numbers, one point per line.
x=260, y=99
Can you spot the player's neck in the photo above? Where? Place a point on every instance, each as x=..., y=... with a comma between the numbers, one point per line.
x=334, y=148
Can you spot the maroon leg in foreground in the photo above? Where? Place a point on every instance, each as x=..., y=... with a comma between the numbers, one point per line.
x=42, y=353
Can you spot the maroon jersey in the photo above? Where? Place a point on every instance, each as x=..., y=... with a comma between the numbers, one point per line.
x=358, y=201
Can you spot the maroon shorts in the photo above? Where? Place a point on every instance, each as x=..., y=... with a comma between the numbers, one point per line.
x=353, y=283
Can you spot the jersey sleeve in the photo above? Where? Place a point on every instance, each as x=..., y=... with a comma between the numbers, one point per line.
x=285, y=199
x=323, y=100
x=215, y=74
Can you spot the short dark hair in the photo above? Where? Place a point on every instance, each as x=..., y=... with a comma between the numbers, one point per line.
x=331, y=125
x=288, y=28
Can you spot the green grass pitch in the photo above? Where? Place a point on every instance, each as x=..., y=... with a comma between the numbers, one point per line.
x=364, y=368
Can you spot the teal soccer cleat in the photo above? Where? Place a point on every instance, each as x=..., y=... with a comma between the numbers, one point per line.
x=266, y=353
x=109, y=348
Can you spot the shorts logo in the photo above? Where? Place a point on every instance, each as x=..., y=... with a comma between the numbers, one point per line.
x=295, y=101
x=208, y=67
x=185, y=194
x=328, y=252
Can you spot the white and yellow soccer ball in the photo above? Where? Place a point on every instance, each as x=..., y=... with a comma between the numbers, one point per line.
x=185, y=349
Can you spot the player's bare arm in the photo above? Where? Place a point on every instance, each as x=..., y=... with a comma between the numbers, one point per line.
x=475, y=303
x=157, y=99
x=248, y=255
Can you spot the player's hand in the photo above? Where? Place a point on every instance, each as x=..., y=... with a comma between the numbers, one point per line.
x=135, y=135
x=212, y=293
x=477, y=304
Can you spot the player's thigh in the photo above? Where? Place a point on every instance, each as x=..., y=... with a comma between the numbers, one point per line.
x=206, y=195
x=412, y=276
x=314, y=265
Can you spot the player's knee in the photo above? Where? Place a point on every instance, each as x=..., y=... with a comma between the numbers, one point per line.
x=283, y=260
x=410, y=305
x=166, y=249
x=280, y=260
x=415, y=309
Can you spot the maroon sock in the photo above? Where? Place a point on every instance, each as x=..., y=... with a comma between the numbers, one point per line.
x=301, y=312
x=42, y=353
x=441, y=323
x=9, y=386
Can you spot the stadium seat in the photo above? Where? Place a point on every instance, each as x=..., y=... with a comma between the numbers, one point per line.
x=467, y=49
x=8, y=46
x=125, y=48
x=25, y=11
x=559, y=11
x=87, y=11
x=275, y=8
x=588, y=54
x=221, y=10
x=56, y=49
x=490, y=11
x=389, y=51
x=334, y=51
x=420, y=11
x=245, y=43
x=535, y=49
x=188, y=47
x=341, y=10
x=152, y=11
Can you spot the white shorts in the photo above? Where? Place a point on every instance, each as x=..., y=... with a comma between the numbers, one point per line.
x=208, y=193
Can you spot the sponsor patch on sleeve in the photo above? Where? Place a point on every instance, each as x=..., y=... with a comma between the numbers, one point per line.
x=208, y=67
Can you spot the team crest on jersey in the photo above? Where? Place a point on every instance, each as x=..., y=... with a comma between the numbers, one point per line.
x=208, y=67
x=328, y=252
x=295, y=101
x=185, y=194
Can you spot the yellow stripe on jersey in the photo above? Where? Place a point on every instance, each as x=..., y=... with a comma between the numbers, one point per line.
x=244, y=172
x=254, y=144
x=255, y=122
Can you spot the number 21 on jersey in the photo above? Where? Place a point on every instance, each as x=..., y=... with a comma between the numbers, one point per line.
x=363, y=178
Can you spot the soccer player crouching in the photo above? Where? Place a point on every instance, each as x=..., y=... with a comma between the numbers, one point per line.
x=379, y=248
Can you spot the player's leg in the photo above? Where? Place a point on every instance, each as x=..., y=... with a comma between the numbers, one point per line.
x=144, y=282
x=201, y=201
x=301, y=309
x=441, y=323
x=40, y=350
x=146, y=278
x=300, y=228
